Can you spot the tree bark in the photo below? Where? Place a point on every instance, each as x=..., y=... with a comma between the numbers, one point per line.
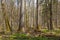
x=20, y=17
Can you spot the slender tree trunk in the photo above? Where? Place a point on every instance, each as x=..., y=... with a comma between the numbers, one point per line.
x=20, y=19
x=37, y=15
x=25, y=15
x=50, y=8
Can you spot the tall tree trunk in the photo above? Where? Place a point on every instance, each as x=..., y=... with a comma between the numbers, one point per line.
x=8, y=27
x=37, y=15
x=25, y=15
x=20, y=19
x=50, y=8
x=49, y=14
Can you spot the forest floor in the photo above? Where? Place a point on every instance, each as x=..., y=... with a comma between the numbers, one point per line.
x=44, y=34
x=31, y=38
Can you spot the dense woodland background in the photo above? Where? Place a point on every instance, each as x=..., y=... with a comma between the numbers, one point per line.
x=29, y=15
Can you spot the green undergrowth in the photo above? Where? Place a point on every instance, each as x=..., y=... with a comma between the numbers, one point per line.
x=36, y=38
x=24, y=37
x=55, y=31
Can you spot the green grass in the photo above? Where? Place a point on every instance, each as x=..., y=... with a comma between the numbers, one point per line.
x=18, y=36
x=36, y=38
x=24, y=37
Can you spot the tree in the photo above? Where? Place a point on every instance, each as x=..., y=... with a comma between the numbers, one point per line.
x=8, y=27
x=50, y=8
x=20, y=19
x=54, y=9
x=49, y=15
x=37, y=15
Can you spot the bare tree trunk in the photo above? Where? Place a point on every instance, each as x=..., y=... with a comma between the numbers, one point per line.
x=50, y=8
x=25, y=16
x=37, y=15
x=8, y=28
x=20, y=19
x=49, y=14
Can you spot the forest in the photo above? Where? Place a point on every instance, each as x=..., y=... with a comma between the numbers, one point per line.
x=29, y=20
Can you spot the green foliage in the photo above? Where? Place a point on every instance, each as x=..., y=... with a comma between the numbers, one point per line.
x=57, y=31
x=45, y=30
x=36, y=38
x=18, y=35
